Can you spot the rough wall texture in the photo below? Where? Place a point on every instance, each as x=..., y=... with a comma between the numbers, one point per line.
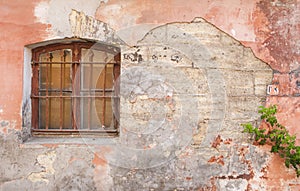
x=190, y=70
x=185, y=89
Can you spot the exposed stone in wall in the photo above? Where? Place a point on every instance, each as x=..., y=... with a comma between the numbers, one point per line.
x=216, y=62
x=185, y=90
x=217, y=69
x=193, y=170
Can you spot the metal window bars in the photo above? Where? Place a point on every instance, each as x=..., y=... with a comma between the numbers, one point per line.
x=59, y=96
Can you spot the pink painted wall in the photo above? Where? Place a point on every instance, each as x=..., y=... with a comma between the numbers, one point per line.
x=17, y=28
x=270, y=29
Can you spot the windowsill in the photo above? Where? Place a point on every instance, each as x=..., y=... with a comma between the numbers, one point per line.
x=41, y=142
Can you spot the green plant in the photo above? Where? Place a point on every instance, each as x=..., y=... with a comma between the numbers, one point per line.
x=277, y=135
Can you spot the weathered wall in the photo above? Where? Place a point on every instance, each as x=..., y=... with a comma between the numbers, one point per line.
x=203, y=82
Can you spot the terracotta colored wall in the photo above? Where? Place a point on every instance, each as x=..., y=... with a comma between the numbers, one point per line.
x=18, y=28
x=270, y=28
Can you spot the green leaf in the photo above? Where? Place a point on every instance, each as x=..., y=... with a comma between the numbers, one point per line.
x=274, y=149
x=282, y=142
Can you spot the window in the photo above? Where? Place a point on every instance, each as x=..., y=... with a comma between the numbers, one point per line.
x=74, y=90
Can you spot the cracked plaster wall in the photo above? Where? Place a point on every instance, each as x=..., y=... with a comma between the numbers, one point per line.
x=207, y=153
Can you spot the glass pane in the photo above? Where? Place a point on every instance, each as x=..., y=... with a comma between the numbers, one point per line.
x=93, y=74
x=107, y=116
x=108, y=73
x=91, y=55
x=67, y=112
x=59, y=111
x=96, y=76
x=42, y=113
x=43, y=74
x=54, y=113
x=56, y=76
x=92, y=113
x=90, y=75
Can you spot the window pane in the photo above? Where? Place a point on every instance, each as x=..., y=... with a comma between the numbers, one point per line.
x=53, y=73
x=90, y=104
x=67, y=112
x=91, y=55
x=54, y=113
x=93, y=74
x=92, y=114
x=42, y=113
x=58, y=110
x=96, y=80
x=108, y=73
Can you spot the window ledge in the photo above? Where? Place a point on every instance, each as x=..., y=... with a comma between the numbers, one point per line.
x=42, y=142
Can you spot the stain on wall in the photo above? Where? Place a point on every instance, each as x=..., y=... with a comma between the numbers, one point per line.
x=218, y=156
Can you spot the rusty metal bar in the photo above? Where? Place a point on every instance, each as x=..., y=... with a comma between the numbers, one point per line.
x=73, y=130
x=74, y=99
x=75, y=86
x=103, y=63
x=35, y=91
x=116, y=75
x=50, y=87
x=91, y=96
x=97, y=90
x=60, y=93
x=91, y=55
x=89, y=99
x=61, y=109
x=70, y=91
x=64, y=83
x=104, y=99
x=47, y=93
x=74, y=133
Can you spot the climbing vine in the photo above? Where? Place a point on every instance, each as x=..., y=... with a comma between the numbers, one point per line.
x=277, y=135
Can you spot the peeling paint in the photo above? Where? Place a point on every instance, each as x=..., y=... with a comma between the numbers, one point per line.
x=59, y=24
x=45, y=161
x=218, y=156
x=84, y=26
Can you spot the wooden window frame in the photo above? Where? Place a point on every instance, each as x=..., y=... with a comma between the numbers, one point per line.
x=76, y=64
